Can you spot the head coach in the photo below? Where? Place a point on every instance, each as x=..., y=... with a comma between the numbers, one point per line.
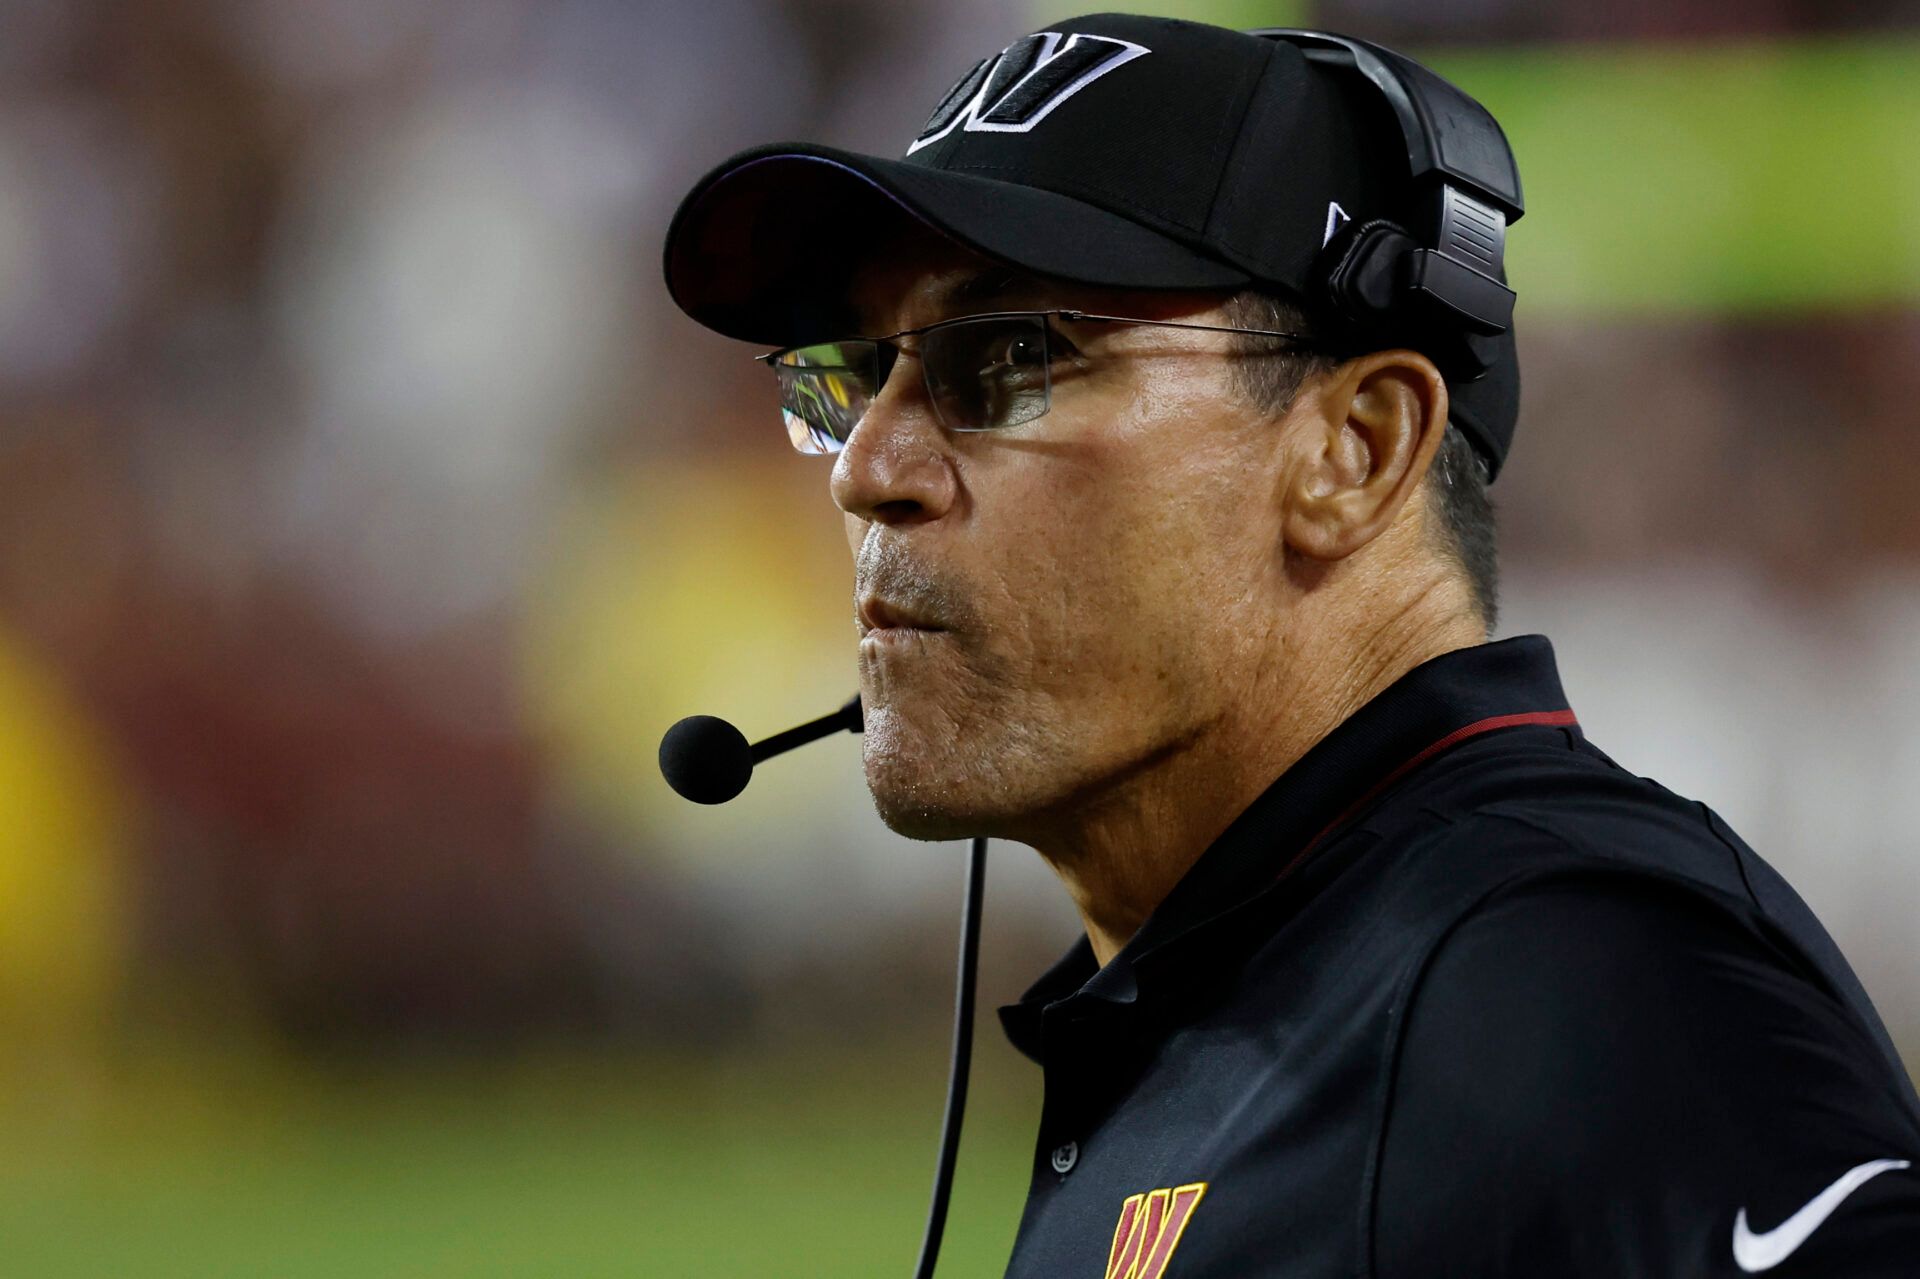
x=1162, y=382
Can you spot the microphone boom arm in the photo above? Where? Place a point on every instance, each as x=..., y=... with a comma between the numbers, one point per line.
x=847, y=719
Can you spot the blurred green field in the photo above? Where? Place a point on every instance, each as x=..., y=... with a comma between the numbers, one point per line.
x=813, y=1165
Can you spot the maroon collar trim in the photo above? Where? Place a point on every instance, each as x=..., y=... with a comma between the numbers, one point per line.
x=1554, y=719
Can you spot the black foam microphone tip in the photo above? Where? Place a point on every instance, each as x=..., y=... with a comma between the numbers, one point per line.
x=705, y=759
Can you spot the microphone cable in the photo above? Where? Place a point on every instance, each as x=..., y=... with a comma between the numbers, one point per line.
x=966, y=980
x=707, y=760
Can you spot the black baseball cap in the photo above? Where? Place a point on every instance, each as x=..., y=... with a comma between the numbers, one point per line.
x=1113, y=150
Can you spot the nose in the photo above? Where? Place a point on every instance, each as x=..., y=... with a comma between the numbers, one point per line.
x=896, y=467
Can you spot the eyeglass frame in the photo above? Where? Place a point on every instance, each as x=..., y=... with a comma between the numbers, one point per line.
x=1070, y=315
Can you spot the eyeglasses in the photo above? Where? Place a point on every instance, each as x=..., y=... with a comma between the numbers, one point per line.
x=982, y=372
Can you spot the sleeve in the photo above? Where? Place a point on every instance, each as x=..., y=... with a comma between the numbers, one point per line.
x=1611, y=1077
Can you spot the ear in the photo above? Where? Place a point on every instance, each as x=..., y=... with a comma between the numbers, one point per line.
x=1366, y=440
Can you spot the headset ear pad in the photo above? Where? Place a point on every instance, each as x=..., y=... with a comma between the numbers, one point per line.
x=1368, y=289
x=1366, y=274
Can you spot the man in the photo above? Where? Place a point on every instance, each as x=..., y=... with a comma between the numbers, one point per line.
x=1185, y=582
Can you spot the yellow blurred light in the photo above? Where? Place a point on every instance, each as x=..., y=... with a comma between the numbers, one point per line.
x=724, y=590
x=61, y=890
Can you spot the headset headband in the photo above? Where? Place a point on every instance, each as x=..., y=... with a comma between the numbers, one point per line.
x=1465, y=182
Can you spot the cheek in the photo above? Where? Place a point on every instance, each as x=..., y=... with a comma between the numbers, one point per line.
x=1094, y=578
x=1191, y=543
x=1060, y=573
x=1207, y=486
x=1127, y=547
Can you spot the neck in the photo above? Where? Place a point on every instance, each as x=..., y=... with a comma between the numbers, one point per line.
x=1122, y=852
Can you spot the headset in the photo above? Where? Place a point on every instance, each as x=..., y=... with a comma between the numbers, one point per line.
x=1444, y=276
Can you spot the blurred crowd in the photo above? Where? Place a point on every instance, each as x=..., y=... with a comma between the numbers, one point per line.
x=366, y=512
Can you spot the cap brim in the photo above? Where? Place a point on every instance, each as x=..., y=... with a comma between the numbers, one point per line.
x=763, y=248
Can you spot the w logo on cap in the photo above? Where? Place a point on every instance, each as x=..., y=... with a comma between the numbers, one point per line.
x=1150, y=1228
x=1016, y=88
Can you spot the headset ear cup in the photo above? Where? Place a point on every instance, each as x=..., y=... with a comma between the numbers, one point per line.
x=1368, y=286
x=1366, y=274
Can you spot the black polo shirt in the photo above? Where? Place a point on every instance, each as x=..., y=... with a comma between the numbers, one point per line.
x=1459, y=996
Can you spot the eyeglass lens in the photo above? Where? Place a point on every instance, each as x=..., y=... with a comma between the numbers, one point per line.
x=980, y=375
x=825, y=390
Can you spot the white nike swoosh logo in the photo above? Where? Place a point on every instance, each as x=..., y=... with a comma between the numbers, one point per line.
x=1754, y=1253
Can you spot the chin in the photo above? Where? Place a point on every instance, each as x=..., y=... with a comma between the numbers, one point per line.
x=914, y=821
x=931, y=787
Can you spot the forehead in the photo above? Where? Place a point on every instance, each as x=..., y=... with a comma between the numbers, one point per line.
x=915, y=276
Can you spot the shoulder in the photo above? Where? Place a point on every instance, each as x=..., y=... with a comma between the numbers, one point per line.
x=1513, y=800
x=1616, y=984
x=1614, y=1062
x=1521, y=808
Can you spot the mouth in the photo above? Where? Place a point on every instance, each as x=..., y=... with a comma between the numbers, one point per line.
x=885, y=619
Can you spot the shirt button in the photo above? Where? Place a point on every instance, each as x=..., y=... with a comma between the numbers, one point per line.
x=1065, y=1157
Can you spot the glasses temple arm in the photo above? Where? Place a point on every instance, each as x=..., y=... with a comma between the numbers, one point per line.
x=1078, y=316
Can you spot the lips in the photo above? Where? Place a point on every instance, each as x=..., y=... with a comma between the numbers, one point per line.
x=877, y=614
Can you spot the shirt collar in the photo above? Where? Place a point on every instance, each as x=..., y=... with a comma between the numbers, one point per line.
x=1436, y=705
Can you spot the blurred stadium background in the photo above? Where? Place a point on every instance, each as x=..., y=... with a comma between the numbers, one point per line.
x=366, y=512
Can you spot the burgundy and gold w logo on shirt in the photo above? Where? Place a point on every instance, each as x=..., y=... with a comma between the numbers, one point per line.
x=1151, y=1224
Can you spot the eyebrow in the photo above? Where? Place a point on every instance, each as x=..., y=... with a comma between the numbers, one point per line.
x=967, y=292
x=984, y=286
